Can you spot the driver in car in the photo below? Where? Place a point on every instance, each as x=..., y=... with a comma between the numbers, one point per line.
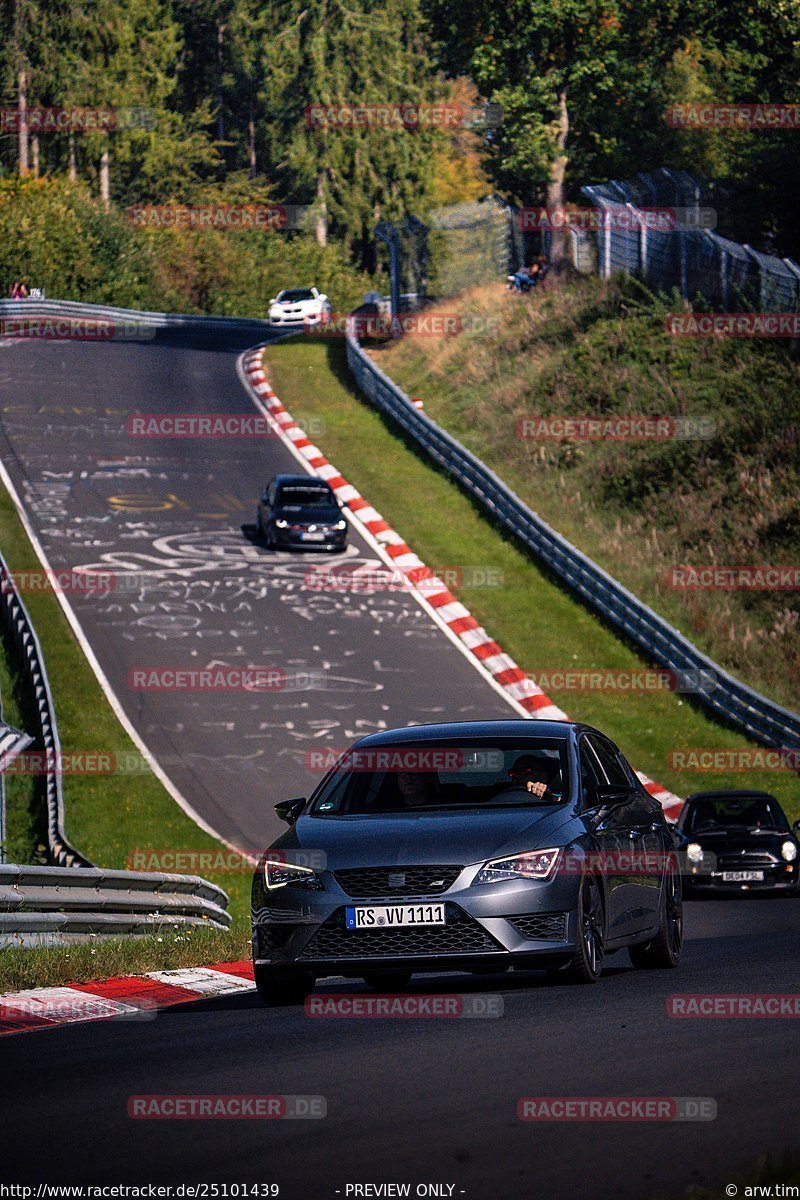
x=532, y=773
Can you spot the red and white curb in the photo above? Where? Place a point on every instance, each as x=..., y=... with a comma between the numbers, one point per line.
x=448, y=612
x=132, y=997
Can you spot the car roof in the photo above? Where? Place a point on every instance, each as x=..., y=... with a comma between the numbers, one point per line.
x=730, y=794
x=474, y=729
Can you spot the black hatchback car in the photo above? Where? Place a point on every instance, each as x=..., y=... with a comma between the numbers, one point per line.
x=302, y=511
x=738, y=841
x=473, y=846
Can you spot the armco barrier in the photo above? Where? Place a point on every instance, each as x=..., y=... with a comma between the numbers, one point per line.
x=55, y=903
x=726, y=697
x=18, y=625
x=130, y=322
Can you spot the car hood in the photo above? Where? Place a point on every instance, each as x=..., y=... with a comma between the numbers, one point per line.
x=427, y=837
x=739, y=839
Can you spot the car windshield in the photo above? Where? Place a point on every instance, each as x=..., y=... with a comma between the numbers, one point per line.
x=295, y=295
x=305, y=497
x=455, y=778
x=739, y=812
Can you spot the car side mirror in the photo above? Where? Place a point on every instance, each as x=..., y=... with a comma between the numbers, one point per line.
x=289, y=810
x=613, y=793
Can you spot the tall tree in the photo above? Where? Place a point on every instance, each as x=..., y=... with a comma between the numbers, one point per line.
x=352, y=53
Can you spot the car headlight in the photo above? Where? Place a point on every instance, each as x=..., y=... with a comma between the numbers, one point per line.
x=789, y=851
x=694, y=852
x=533, y=864
x=280, y=523
x=341, y=524
x=281, y=875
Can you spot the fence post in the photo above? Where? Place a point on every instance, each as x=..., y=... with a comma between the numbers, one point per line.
x=762, y=298
x=684, y=282
x=724, y=273
x=642, y=239
x=606, y=243
x=793, y=267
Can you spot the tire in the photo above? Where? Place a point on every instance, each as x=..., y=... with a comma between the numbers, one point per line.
x=587, y=962
x=392, y=981
x=279, y=989
x=664, y=951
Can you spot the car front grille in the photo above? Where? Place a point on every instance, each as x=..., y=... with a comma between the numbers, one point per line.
x=748, y=861
x=460, y=935
x=541, y=927
x=381, y=883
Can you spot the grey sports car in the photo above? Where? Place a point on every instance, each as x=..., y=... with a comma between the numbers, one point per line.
x=473, y=846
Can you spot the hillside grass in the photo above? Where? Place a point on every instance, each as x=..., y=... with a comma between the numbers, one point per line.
x=637, y=508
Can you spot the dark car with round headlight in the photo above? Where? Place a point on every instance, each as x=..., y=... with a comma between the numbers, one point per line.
x=475, y=846
x=738, y=841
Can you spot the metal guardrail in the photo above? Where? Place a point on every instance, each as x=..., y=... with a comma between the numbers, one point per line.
x=39, y=904
x=132, y=324
x=725, y=696
x=17, y=622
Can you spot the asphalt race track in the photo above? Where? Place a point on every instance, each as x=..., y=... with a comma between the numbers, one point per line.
x=433, y=1100
x=173, y=520
x=409, y=1102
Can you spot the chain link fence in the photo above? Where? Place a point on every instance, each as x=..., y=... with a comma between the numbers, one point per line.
x=654, y=227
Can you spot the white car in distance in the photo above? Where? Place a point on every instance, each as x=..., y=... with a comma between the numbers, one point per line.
x=299, y=306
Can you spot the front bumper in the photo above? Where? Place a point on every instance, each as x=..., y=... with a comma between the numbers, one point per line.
x=777, y=878
x=293, y=538
x=488, y=927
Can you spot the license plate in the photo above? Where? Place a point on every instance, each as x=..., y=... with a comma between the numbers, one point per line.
x=312, y=537
x=742, y=876
x=393, y=916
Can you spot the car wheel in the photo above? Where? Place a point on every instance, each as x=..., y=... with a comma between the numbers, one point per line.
x=392, y=981
x=587, y=962
x=285, y=988
x=664, y=951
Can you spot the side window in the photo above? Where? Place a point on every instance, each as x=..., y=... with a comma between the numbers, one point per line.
x=613, y=767
x=591, y=774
